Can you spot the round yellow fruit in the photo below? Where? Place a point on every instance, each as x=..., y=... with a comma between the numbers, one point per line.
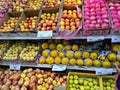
x=93, y=56
x=61, y=54
x=54, y=53
x=86, y=54
x=65, y=61
x=67, y=47
x=88, y=62
x=112, y=57
x=60, y=47
x=45, y=53
x=42, y=60
x=78, y=54
x=80, y=62
x=96, y=63
x=57, y=60
x=44, y=45
x=75, y=47
x=50, y=60
x=69, y=54
x=72, y=61
x=102, y=58
x=106, y=64
x=52, y=46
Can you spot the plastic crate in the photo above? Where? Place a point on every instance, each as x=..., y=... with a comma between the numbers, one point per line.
x=106, y=78
x=85, y=75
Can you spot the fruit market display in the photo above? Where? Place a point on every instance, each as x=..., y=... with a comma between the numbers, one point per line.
x=72, y=2
x=4, y=45
x=108, y=83
x=51, y=3
x=4, y=4
x=29, y=79
x=28, y=24
x=9, y=25
x=18, y=5
x=64, y=52
x=77, y=82
x=30, y=52
x=33, y=5
x=48, y=21
x=115, y=14
x=70, y=20
x=95, y=14
x=13, y=52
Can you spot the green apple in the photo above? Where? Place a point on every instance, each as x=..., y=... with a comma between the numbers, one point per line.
x=82, y=88
x=108, y=84
x=80, y=81
x=108, y=88
x=85, y=83
x=70, y=81
x=90, y=84
x=87, y=87
x=76, y=77
x=111, y=81
x=71, y=77
x=75, y=81
x=95, y=82
x=90, y=79
x=112, y=85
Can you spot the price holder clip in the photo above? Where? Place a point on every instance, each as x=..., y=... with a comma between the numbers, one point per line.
x=95, y=38
x=44, y=34
x=15, y=66
x=59, y=67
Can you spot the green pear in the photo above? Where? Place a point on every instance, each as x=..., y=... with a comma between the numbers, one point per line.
x=90, y=84
x=76, y=77
x=71, y=77
x=75, y=81
x=70, y=81
x=80, y=81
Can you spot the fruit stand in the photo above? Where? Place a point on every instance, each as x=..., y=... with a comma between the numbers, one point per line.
x=59, y=44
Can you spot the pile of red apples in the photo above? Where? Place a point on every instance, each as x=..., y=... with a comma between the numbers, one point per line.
x=30, y=79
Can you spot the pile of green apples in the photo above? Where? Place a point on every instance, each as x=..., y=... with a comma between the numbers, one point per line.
x=108, y=84
x=83, y=83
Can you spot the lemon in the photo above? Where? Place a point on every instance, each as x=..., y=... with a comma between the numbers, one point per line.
x=61, y=54
x=93, y=56
x=54, y=53
x=78, y=54
x=67, y=47
x=75, y=47
x=96, y=63
x=45, y=53
x=44, y=45
x=102, y=58
x=52, y=46
x=80, y=62
x=106, y=64
x=60, y=47
x=57, y=60
x=42, y=60
x=65, y=61
x=86, y=54
x=69, y=54
x=72, y=61
x=112, y=57
x=50, y=60
x=88, y=62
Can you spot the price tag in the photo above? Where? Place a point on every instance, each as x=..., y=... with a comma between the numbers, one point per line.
x=59, y=67
x=115, y=39
x=44, y=33
x=60, y=88
x=15, y=66
x=103, y=71
x=95, y=38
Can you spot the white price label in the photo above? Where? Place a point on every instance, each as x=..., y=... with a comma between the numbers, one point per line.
x=59, y=67
x=115, y=39
x=95, y=38
x=103, y=71
x=60, y=88
x=44, y=33
x=15, y=66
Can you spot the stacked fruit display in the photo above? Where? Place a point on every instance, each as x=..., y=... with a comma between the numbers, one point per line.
x=30, y=79
x=72, y=2
x=51, y=3
x=115, y=14
x=18, y=5
x=9, y=25
x=70, y=20
x=33, y=5
x=4, y=4
x=95, y=14
x=30, y=52
x=83, y=83
x=28, y=24
x=108, y=84
x=13, y=52
x=62, y=52
x=48, y=21
x=4, y=45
